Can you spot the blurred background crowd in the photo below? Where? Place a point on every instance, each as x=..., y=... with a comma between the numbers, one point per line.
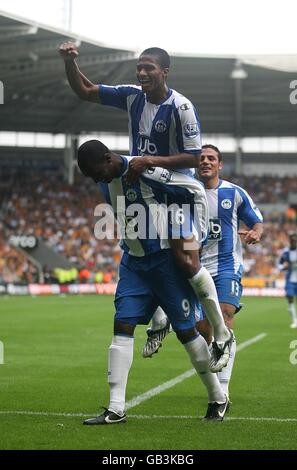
x=62, y=216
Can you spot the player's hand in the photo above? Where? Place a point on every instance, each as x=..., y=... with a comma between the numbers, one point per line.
x=251, y=237
x=136, y=166
x=68, y=51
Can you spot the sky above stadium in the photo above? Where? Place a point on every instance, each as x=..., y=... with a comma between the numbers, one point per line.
x=216, y=27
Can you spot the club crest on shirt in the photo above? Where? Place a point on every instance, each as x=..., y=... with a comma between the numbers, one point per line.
x=226, y=204
x=131, y=195
x=161, y=127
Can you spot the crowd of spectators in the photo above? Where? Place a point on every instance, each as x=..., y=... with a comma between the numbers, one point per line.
x=266, y=189
x=62, y=215
x=15, y=268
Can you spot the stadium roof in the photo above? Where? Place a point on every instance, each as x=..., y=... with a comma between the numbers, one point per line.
x=38, y=98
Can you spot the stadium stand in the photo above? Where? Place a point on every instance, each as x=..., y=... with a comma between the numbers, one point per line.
x=62, y=216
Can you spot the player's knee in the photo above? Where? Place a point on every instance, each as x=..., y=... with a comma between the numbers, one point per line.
x=188, y=265
x=185, y=336
x=121, y=328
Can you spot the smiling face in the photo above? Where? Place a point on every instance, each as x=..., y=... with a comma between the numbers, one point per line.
x=209, y=165
x=151, y=76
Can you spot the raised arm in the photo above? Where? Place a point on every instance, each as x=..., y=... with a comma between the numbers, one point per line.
x=81, y=85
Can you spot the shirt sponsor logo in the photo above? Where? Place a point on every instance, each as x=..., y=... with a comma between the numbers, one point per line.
x=146, y=146
x=161, y=127
x=226, y=204
x=131, y=195
x=191, y=130
x=215, y=230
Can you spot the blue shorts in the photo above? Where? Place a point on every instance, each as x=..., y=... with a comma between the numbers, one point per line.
x=291, y=289
x=151, y=281
x=229, y=290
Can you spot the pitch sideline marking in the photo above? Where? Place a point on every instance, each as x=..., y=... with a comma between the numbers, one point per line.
x=180, y=378
x=155, y=391
x=82, y=415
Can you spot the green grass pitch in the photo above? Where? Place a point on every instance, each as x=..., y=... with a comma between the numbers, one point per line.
x=56, y=364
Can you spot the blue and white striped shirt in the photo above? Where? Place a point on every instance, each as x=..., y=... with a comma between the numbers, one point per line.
x=289, y=256
x=155, y=191
x=228, y=205
x=169, y=128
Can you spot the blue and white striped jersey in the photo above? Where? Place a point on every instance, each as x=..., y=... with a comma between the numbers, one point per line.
x=166, y=129
x=289, y=256
x=155, y=191
x=228, y=204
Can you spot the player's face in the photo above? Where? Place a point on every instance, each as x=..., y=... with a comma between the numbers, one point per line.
x=149, y=74
x=101, y=173
x=209, y=164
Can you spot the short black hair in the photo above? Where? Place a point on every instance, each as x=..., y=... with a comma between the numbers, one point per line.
x=213, y=147
x=161, y=56
x=90, y=154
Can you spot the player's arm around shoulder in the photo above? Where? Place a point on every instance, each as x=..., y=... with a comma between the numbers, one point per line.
x=81, y=85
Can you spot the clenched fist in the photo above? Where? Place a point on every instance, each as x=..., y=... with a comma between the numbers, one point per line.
x=68, y=51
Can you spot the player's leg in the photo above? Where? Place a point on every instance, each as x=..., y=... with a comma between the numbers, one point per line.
x=188, y=231
x=160, y=328
x=178, y=301
x=229, y=290
x=199, y=355
x=205, y=329
x=131, y=310
x=224, y=375
x=291, y=291
x=187, y=259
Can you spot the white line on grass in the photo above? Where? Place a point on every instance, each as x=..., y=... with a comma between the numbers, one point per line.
x=236, y=418
x=180, y=378
x=44, y=413
x=82, y=415
x=151, y=393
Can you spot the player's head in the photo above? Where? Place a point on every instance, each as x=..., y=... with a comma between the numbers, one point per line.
x=152, y=68
x=96, y=161
x=210, y=162
x=293, y=240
